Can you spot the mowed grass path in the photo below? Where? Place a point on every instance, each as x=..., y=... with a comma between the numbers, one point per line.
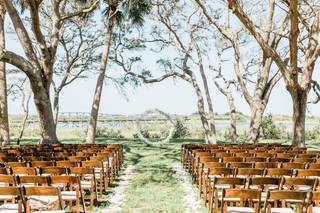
x=153, y=187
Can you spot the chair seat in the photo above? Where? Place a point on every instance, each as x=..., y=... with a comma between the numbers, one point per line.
x=240, y=210
x=68, y=195
x=315, y=209
x=9, y=208
x=6, y=197
x=44, y=203
x=281, y=210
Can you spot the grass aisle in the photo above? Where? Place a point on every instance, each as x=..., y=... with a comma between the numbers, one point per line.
x=154, y=186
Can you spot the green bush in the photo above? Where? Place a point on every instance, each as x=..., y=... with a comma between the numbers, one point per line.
x=181, y=130
x=269, y=129
x=313, y=134
x=108, y=133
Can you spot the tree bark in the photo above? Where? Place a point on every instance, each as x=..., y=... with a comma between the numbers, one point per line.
x=25, y=107
x=98, y=91
x=4, y=120
x=56, y=108
x=233, y=118
x=44, y=109
x=210, y=136
x=299, y=101
x=257, y=111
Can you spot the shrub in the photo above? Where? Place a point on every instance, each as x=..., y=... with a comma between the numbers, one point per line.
x=313, y=134
x=181, y=130
x=108, y=133
x=269, y=129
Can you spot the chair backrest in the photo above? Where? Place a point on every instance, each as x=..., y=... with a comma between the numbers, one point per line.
x=264, y=155
x=249, y=172
x=52, y=170
x=66, y=181
x=67, y=163
x=286, y=196
x=245, y=195
x=304, y=160
x=34, y=180
x=220, y=172
x=285, y=155
x=95, y=164
x=265, y=165
x=240, y=165
x=214, y=164
x=244, y=154
x=276, y=172
x=280, y=160
x=293, y=165
x=16, y=164
x=256, y=159
x=8, y=180
x=314, y=166
x=301, y=184
x=4, y=171
x=41, y=163
x=232, y=159
x=229, y=182
x=308, y=173
x=264, y=183
x=23, y=171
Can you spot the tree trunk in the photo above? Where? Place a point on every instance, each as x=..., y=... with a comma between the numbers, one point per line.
x=25, y=107
x=255, y=122
x=4, y=120
x=98, y=91
x=210, y=135
x=299, y=99
x=233, y=118
x=44, y=109
x=56, y=108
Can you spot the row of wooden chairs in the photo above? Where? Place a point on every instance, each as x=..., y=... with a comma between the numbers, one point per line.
x=240, y=166
x=96, y=167
x=277, y=201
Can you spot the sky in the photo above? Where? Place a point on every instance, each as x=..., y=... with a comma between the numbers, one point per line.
x=169, y=96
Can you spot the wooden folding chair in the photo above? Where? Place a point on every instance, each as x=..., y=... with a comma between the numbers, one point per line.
x=88, y=185
x=286, y=198
x=218, y=184
x=244, y=196
x=314, y=202
x=43, y=198
x=70, y=189
x=14, y=193
x=101, y=174
x=264, y=184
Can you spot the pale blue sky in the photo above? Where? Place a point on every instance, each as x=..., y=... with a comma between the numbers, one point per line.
x=169, y=96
